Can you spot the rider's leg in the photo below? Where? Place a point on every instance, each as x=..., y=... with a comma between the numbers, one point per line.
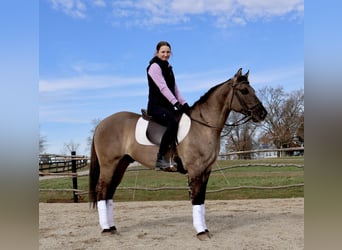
x=166, y=118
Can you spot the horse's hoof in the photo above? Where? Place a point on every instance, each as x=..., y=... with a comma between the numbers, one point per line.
x=208, y=233
x=203, y=235
x=113, y=230
x=106, y=232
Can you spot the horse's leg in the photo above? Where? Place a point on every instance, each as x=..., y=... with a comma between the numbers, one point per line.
x=198, y=186
x=106, y=209
x=103, y=187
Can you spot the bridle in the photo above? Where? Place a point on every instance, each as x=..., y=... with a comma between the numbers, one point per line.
x=247, y=117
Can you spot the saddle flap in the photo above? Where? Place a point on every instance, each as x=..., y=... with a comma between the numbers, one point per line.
x=155, y=132
x=150, y=132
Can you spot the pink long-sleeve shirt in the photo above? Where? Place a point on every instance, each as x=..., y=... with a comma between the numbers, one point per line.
x=156, y=74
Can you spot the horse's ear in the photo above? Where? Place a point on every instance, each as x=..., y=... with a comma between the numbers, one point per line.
x=247, y=74
x=238, y=73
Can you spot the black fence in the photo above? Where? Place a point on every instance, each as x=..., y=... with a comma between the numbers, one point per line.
x=49, y=163
x=52, y=163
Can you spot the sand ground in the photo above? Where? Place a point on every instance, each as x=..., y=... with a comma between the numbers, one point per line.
x=235, y=224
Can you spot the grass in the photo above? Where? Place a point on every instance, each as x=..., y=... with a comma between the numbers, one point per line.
x=259, y=175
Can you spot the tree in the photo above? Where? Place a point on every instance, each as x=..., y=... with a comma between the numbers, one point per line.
x=95, y=122
x=300, y=131
x=42, y=143
x=285, y=118
x=71, y=146
x=239, y=138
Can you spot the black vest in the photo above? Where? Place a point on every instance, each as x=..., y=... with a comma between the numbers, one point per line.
x=155, y=97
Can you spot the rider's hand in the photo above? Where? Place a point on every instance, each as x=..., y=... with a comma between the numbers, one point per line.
x=178, y=106
x=185, y=109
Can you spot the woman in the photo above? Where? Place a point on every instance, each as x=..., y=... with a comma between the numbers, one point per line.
x=164, y=100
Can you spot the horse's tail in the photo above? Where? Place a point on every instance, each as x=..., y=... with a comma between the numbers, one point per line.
x=94, y=173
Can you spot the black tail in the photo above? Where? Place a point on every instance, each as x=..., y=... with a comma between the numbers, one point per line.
x=94, y=173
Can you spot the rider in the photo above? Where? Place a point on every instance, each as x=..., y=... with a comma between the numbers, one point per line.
x=164, y=99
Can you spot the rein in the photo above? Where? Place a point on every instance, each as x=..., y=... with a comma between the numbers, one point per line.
x=242, y=121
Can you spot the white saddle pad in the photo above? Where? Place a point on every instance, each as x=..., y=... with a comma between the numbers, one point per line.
x=141, y=127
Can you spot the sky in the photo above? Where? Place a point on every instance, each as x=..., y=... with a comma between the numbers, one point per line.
x=93, y=54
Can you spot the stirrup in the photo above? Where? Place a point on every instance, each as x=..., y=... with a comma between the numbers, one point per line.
x=163, y=164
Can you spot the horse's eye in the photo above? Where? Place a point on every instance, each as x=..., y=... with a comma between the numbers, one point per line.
x=244, y=91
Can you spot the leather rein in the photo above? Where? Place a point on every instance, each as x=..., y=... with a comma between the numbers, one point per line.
x=241, y=121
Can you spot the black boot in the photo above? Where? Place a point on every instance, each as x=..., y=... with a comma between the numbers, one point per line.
x=162, y=163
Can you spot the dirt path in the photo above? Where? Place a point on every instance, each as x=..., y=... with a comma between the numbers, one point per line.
x=234, y=224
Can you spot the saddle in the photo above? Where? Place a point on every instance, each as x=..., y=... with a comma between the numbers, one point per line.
x=154, y=131
x=149, y=132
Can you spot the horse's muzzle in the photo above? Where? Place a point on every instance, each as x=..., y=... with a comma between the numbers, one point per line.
x=258, y=113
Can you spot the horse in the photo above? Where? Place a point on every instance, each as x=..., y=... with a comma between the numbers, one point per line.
x=114, y=147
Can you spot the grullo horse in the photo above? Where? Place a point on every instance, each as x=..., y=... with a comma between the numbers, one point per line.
x=114, y=147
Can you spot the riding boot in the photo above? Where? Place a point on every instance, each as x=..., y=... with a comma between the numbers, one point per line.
x=165, y=146
x=162, y=163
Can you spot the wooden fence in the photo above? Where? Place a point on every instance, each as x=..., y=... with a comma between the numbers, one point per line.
x=52, y=163
x=262, y=153
x=61, y=163
x=78, y=192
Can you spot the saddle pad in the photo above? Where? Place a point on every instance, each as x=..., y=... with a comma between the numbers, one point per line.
x=141, y=127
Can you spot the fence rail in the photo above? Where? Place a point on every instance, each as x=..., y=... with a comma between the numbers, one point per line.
x=262, y=153
x=264, y=150
x=78, y=192
x=52, y=163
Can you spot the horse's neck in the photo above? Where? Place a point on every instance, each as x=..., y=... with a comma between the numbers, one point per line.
x=216, y=109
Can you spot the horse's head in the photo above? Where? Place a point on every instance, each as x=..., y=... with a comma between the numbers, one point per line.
x=244, y=99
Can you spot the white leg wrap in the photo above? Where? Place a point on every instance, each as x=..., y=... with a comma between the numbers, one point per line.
x=102, y=210
x=203, y=216
x=110, y=212
x=197, y=218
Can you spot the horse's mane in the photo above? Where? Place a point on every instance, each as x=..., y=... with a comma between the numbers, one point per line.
x=205, y=97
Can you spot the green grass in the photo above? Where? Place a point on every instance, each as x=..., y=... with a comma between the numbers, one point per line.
x=220, y=178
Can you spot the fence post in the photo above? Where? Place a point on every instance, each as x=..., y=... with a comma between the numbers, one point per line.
x=74, y=179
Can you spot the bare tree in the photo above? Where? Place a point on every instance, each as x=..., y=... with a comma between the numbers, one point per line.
x=42, y=143
x=300, y=131
x=239, y=138
x=71, y=146
x=285, y=116
x=95, y=122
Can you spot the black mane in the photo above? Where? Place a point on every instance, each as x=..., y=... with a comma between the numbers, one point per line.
x=205, y=97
